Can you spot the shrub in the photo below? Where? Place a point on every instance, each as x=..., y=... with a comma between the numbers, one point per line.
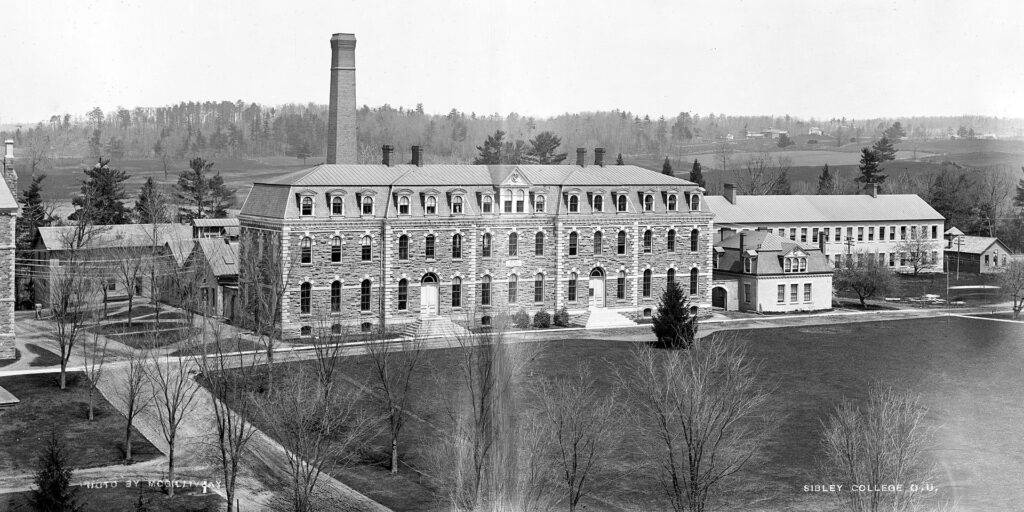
x=562, y=317
x=521, y=319
x=674, y=325
x=53, y=481
x=542, y=320
x=812, y=141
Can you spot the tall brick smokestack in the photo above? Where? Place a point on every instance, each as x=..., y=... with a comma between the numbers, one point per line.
x=341, y=116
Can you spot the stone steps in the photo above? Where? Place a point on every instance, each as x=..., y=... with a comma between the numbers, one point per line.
x=604, y=318
x=433, y=327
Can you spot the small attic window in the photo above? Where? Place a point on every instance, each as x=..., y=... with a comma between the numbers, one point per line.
x=306, y=206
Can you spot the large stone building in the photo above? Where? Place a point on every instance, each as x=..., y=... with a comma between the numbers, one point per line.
x=362, y=243
x=8, y=214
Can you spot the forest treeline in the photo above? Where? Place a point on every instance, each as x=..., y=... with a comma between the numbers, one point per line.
x=249, y=130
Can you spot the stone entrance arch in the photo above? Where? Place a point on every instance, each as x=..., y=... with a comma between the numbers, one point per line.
x=719, y=298
x=429, y=295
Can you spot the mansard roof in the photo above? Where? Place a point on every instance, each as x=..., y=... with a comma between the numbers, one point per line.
x=770, y=250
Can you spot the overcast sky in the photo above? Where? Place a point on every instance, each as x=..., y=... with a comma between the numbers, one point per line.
x=820, y=58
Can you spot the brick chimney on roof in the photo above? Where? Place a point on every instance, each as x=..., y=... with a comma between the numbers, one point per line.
x=386, y=151
x=341, y=114
x=730, y=193
x=417, y=156
x=7, y=166
x=599, y=157
x=581, y=157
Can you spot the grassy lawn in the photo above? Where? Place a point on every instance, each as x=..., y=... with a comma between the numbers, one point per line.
x=26, y=427
x=967, y=371
x=121, y=499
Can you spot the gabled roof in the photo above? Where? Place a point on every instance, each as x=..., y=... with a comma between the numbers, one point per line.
x=214, y=223
x=976, y=245
x=953, y=231
x=221, y=256
x=180, y=250
x=759, y=210
x=53, y=238
x=8, y=203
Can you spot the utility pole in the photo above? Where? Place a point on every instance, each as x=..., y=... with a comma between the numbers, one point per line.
x=959, y=240
x=849, y=249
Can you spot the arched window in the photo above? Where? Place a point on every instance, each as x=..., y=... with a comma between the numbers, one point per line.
x=670, y=276
x=456, y=246
x=574, y=204
x=648, y=240
x=485, y=245
x=403, y=295
x=573, y=244
x=620, y=285
x=538, y=288
x=671, y=202
x=337, y=205
x=305, y=298
x=513, y=244
x=621, y=202
x=428, y=251
x=513, y=284
x=431, y=205
x=506, y=200
x=647, y=283
x=648, y=203
x=307, y=206
x=694, y=237
x=403, y=247
x=670, y=240
x=538, y=204
x=693, y=281
x=367, y=205
x=403, y=205
x=572, y=286
x=621, y=245
x=598, y=203
x=488, y=204
x=457, y=292
x=538, y=244
x=695, y=202
x=485, y=291
x=336, y=249
x=457, y=204
x=520, y=201
x=364, y=295
x=366, y=246
x=306, y=250
x=336, y=297
x=598, y=243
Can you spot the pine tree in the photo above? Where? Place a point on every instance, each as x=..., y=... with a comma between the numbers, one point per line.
x=673, y=325
x=54, y=492
x=490, y=152
x=102, y=196
x=826, y=183
x=33, y=214
x=696, y=175
x=208, y=196
x=1018, y=199
x=542, y=149
x=619, y=160
x=870, y=172
x=666, y=168
x=151, y=204
x=885, y=150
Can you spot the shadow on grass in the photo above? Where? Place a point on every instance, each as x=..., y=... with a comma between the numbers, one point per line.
x=43, y=357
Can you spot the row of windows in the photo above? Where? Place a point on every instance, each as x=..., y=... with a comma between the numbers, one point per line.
x=512, y=202
x=365, y=287
x=905, y=259
x=794, y=293
x=869, y=233
x=430, y=243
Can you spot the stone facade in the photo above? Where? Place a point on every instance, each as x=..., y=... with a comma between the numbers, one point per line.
x=8, y=213
x=428, y=242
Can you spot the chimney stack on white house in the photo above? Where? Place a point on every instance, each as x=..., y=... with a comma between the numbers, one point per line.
x=730, y=193
x=341, y=114
x=873, y=188
x=581, y=157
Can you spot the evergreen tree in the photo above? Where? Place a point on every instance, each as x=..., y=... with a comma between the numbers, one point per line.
x=102, y=196
x=696, y=175
x=1018, y=199
x=619, y=160
x=826, y=183
x=666, y=168
x=895, y=132
x=54, y=492
x=886, y=152
x=870, y=172
x=781, y=186
x=673, y=324
x=151, y=203
x=784, y=141
x=33, y=214
x=490, y=152
x=542, y=149
x=208, y=196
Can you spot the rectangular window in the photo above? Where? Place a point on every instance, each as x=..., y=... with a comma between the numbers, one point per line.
x=860, y=234
x=748, y=265
x=825, y=234
x=871, y=234
x=849, y=233
x=366, y=255
x=403, y=297
x=792, y=234
x=794, y=292
x=336, y=254
x=892, y=232
x=881, y=233
x=572, y=290
x=803, y=234
x=807, y=292
x=485, y=293
x=814, y=235
x=838, y=235
x=838, y=260
x=935, y=232
x=892, y=259
x=620, y=290
x=746, y=293
x=782, y=294
x=487, y=205
x=456, y=295
x=538, y=290
x=512, y=291
x=903, y=232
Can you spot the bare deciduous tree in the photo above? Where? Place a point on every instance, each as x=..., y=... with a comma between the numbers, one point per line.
x=263, y=275
x=394, y=366
x=703, y=412
x=918, y=251
x=70, y=293
x=762, y=175
x=132, y=395
x=94, y=354
x=174, y=391
x=128, y=267
x=1011, y=281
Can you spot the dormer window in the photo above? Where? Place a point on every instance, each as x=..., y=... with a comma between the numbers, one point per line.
x=648, y=203
x=367, y=205
x=620, y=203
x=431, y=205
x=794, y=264
x=520, y=201
x=307, y=206
x=506, y=200
x=671, y=202
x=337, y=205
x=457, y=204
x=598, y=203
x=403, y=205
x=695, y=203
x=748, y=265
x=488, y=204
x=574, y=204
x=538, y=204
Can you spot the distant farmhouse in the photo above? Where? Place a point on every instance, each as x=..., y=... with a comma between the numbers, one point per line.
x=847, y=226
x=975, y=254
x=9, y=211
x=814, y=130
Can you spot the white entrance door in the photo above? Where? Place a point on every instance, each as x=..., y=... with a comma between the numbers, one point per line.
x=428, y=299
x=597, y=291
